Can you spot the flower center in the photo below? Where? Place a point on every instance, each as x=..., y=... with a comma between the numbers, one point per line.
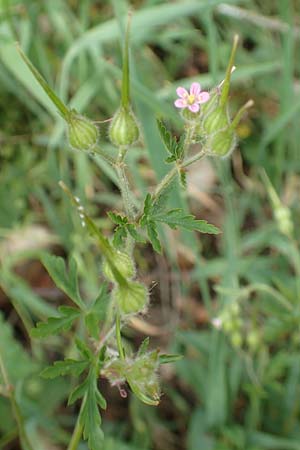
x=191, y=99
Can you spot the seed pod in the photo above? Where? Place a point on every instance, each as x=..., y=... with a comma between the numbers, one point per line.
x=222, y=143
x=131, y=297
x=83, y=134
x=216, y=120
x=123, y=264
x=124, y=128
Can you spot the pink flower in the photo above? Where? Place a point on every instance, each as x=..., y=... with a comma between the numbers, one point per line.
x=192, y=99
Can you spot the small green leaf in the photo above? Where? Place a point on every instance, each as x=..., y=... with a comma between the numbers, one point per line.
x=147, y=209
x=120, y=234
x=132, y=231
x=153, y=236
x=168, y=140
x=174, y=147
x=56, y=324
x=117, y=218
x=178, y=218
x=67, y=282
x=66, y=367
x=165, y=359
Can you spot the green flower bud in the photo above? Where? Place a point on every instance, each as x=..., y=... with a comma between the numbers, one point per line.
x=83, y=134
x=124, y=129
x=131, y=297
x=123, y=264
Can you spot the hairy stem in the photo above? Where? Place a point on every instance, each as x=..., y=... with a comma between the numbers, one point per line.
x=124, y=184
x=126, y=194
x=119, y=337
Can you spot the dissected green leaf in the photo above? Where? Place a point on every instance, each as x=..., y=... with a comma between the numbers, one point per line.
x=178, y=218
x=147, y=209
x=153, y=236
x=174, y=147
x=133, y=232
x=66, y=281
x=117, y=218
x=90, y=417
x=56, y=324
x=120, y=234
x=66, y=367
x=124, y=227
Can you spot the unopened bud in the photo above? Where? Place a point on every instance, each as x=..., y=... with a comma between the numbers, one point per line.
x=131, y=297
x=83, y=134
x=124, y=129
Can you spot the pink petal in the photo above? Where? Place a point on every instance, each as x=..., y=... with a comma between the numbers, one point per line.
x=180, y=103
x=194, y=107
x=181, y=92
x=203, y=97
x=195, y=89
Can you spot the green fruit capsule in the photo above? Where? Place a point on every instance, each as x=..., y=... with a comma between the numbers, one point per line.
x=124, y=129
x=83, y=134
x=123, y=264
x=215, y=120
x=222, y=143
x=131, y=297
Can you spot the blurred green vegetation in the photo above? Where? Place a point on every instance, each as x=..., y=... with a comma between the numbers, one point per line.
x=228, y=393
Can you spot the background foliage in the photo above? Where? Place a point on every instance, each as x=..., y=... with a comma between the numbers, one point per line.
x=236, y=388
